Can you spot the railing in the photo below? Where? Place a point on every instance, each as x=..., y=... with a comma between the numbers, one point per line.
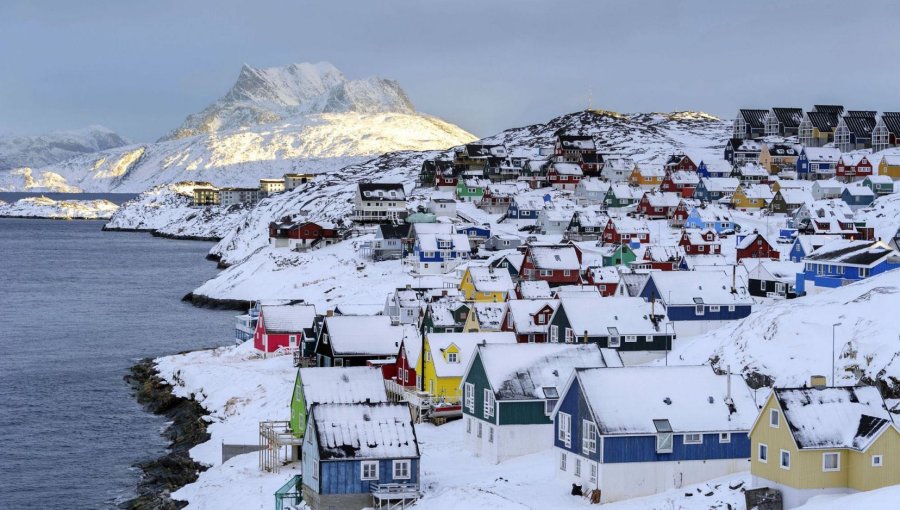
x=290, y=493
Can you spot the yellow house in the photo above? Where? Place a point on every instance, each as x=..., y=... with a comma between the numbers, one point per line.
x=751, y=196
x=890, y=166
x=485, y=317
x=823, y=440
x=485, y=284
x=446, y=356
x=778, y=157
x=646, y=177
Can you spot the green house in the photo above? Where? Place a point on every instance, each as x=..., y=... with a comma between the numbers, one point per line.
x=880, y=184
x=471, y=189
x=625, y=324
x=618, y=255
x=445, y=317
x=509, y=391
x=622, y=195
x=333, y=385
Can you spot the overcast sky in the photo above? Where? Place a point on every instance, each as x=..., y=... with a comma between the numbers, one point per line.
x=140, y=67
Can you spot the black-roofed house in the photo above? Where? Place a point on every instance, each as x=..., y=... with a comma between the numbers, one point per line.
x=571, y=147
x=854, y=131
x=886, y=132
x=819, y=440
x=817, y=128
x=389, y=241
x=750, y=124
x=379, y=202
x=739, y=151
x=844, y=261
x=783, y=121
x=360, y=455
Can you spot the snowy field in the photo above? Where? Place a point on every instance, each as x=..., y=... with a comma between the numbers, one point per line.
x=43, y=207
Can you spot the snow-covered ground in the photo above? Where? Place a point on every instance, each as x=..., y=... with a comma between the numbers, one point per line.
x=43, y=207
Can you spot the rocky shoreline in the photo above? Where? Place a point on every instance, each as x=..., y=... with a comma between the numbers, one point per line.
x=214, y=303
x=157, y=233
x=175, y=469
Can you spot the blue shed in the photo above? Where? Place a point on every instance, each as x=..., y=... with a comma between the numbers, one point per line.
x=636, y=431
x=359, y=455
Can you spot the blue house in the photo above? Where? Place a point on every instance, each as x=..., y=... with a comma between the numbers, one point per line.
x=714, y=168
x=359, y=455
x=857, y=196
x=804, y=244
x=699, y=300
x=817, y=163
x=524, y=208
x=475, y=233
x=711, y=217
x=843, y=261
x=636, y=431
x=710, y=189
x=440, y=253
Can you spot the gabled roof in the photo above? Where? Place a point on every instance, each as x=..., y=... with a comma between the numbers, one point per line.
x=712, y=214
x=825, y=122
x=604, y=274
x=859, y=191
x=538, y=289
x=834, y=109
x=364, y=431
x=662, y=199
x=555, y=257
x=690, y=398
x=363, y=335
x=745, y=145
x=529, y=203
x=341, y=385
x=442, y=313
x=431, y=242
x=579, y=142
x=720, y=184
x=630, y=225
x=287, y=318
x=712, y=287
x=490, y=315
x=794, y=196
x=858, y=253
x=779, y=149
x=834, y=417
x=382, y=191
x=860, y=126
x=466, y=344
x=487, y=279
x=773, y=270
x=891, y=121
x=822, y=154
x=523, y=311
x=590, y=218
x=400, y=231
x=475, y=150
x=535, y=371
x=751, y=239
x=567, y=169
x=662, y=253
x=683, y=177
x=789, y=117
x=594, y=315
x=754, y=118
x=593, y=184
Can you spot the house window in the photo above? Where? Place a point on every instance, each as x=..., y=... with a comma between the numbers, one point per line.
x=714, y=308
x=699, y=310
x=468, y=425
x=562, y=462
x=701, y=248
x=831, y=462
x=490, y=434
x=469, y=394
x=315, y=473
x=763, y=453
x=369, y=470
x=762, y=285
x=567, y=272
x=730, y=308
x=488, y=403
x=615, y=341
x=877, y=460
x=480, y=426
x=589, y=437
x=863, y=272
x=401, y=469
x=453, y=357
x=725, y=437
x=565, y=429
x=540, y=318
x=593, y=473
x=693, y=439
x=774, y=418
x=546, y=272
x=664, y=442
x=630, y=338
x=785, y=462
x=549, y=404
x=554, y=334
x=577, y=466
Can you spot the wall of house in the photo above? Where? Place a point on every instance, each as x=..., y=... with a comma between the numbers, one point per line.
x=298, y=408
x=509, y=441
x=574, y=404
x=522, y=412
x=619, y=449
x=478, y=378
x=863, y=475
x=345, y=476
x=631, y=480
x=309, y=458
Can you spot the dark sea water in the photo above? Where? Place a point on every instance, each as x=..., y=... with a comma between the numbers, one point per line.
x=116, y=198
x=79, y=307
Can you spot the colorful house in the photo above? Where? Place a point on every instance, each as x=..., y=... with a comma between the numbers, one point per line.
x=471, y=189
x=880, y=184
x=824, y=440
x=525, y=208
x=444, y=357
x=788, y=200
x=889, y=165
x=485, y=317
x=804, y=244
x=605, y=278
x=751, y=173
x=379, y=202
x=778, y=157
x=752, y=196
x=842, y=262
x=439, y=253
x=626, y=230
x=711, y=189
x=714, y=168
x=300, y=236
x=658, y=205
x=680, y=162
x=852, y=167
x=636, y=431
x=617, y=255
x=353, y=340
x=739, y=151
x=564, y=175
x=557, y=264
x=285, y=326
x=817, y=127
x=772, y=278
x=360, y=455
x=682, y=182
x=646, y=177
x=448, y=316
x=858, y=196
x=586, y=225
x=661, y=257
x=711, y=217
x=755, y=246
x=509, y=392
x=703, y=297
x=622, y=195
x=700, y=242
x=529, y=319
x=511, y=263
x=333, y=385
x=483, y=283
x=817, y=163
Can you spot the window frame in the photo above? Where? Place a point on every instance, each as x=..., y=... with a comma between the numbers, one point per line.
x=784, y=454
x=452, y=357
x=836, y=455
x=489, y=403
x=562, y=462
x=762, y=453
x=362, y=470
x=588, y=437
x=490, y=434
x=724, y=437
x=880, y=462
x=564, y=429
x=693, y=440
x=469, y=397
x=776, y=422
x=401, y=462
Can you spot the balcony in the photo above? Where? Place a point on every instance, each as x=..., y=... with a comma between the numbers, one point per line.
x=290, y=495
x=394, y=495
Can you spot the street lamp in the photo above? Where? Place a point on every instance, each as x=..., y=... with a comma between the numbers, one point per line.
x=667, y=339
x=833, y=327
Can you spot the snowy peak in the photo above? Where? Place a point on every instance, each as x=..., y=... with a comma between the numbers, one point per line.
x=40, y=150
x=266, y=95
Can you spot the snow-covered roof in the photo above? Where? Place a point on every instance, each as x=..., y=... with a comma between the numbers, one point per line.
x=529, y=203
x=538, y=289
x=705, y=262
x=341, y=385
x=796, y=196
x=606, y=316
x=836, y=417
x=810, y=242
x=287, y=318
x=749, y=239
x=487, y=279
x=663, y=199
x=430, y=242
x=773, y=270
x=753, y=170
x=604, y=274
x=859, y=191
x=567, y=169
x=364, y=431
x=466, y=344
x=553, y=214
x=717, y=165
x=555, y=257
x=630, y=226
x=490, y=315
x=822, y=154
x=857, y=253
x=712, y=287
x=761, y=191
x=828, y=184
x=523, y=311
x=594, y=184
x=684, y=177
x=382, y=191
x=689, y=398
x=661, y=253
x=591, y=218
x=880, y=179
x=624, y=191
x=721, y=184
x=363, y=334
x=442, y=312
x=713, y=214
x=619, y=164
x=535, y=371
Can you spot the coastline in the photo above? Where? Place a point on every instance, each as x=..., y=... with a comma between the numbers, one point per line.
x=74, y=218
x=187, y=428
x=157, y=233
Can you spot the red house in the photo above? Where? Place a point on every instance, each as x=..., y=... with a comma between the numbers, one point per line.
x=696, y=242
x=626, y=230
x=680, y=214
x=658, y=206
x=605, y=278
x=529, y=319
x=564, y=175
x=302, y=236
x=403, y=369
x=662, y=258
x=853, y=167
x=288, y=326
x=755, y=246
x=682, y=182
x=446, y=181
x=680, y=162
x=556, y=264
x=573, y=148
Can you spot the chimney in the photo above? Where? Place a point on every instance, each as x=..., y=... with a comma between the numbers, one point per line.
x=817, y=381
x=329, y=313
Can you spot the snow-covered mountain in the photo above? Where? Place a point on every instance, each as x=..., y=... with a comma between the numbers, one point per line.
x=45, y=149
x=304, y=117
x=262, y=96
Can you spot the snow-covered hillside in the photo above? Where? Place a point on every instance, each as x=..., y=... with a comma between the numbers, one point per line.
x=43, y=207
x=41, y=150
x=789, y=341
x=304, y=118
x=166, y=210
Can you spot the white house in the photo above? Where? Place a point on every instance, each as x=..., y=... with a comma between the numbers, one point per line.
x=379, y=202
